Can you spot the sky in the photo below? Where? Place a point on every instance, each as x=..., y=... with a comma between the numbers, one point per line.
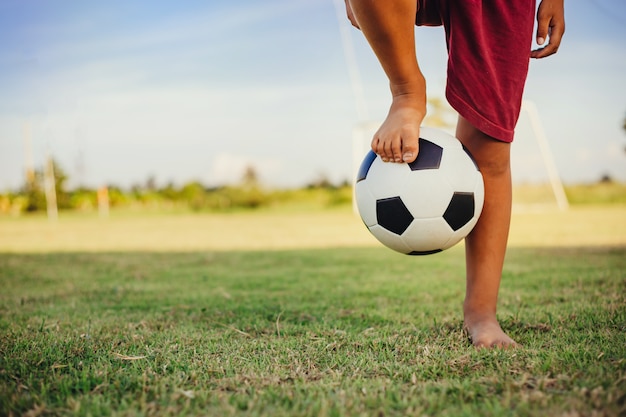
x=118, y=92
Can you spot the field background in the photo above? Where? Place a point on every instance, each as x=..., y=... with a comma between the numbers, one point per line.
x=286, y=228
x=298, y=311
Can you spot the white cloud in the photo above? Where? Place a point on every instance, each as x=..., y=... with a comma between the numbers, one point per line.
x=615, y=150
x=583, y=154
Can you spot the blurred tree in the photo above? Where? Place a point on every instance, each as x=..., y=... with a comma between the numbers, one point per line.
x=250, y=177
x=249, y=194
x=605, y=179
x=170, y=192
x=151, y=184
x=33, y=189
x=322, y=181
x=195, y=195
x=60, y=185
x=117, y=197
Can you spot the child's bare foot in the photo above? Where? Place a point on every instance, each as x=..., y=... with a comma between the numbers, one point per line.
x=485, y=331
x=397, y=138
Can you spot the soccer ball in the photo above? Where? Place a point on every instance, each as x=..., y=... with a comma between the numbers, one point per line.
x=426, y=206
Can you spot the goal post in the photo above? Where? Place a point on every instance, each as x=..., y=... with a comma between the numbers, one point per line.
x=538, y=132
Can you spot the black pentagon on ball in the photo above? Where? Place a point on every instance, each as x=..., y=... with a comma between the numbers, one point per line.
x=428, y=156
x=425, y=252
x=365, y=166
x=460, y=210
x=392, y=214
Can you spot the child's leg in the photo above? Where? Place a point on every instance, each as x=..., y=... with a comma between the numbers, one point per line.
x=486, y=244
x=389, y=29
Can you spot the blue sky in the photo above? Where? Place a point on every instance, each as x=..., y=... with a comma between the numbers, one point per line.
x=120, y=91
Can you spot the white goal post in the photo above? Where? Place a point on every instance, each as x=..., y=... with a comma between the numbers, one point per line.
x=548, y=160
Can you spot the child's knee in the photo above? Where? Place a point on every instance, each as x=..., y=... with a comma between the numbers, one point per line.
x=495, y=167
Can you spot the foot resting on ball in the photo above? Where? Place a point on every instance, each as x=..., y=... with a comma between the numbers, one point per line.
x=397, y=138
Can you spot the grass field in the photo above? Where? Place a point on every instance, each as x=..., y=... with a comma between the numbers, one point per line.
x=299, y=313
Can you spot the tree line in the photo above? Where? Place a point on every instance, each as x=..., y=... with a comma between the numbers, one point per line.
x=248, y=194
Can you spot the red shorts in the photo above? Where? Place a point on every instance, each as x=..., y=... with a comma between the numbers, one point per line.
x=489, y=46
